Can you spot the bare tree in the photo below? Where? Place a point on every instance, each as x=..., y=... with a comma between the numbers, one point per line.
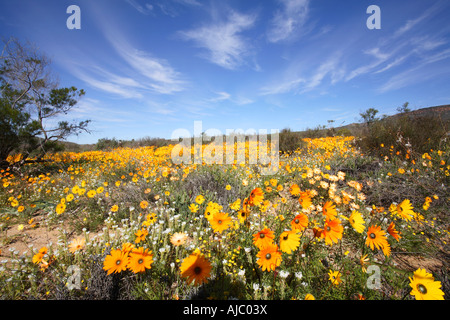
x=30, y=101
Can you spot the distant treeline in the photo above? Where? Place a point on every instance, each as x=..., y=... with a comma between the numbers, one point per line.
x=419, y=130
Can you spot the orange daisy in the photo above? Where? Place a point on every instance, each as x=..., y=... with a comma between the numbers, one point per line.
x=139, y=260
x=196, y=268
x=376, y=238
x=269, y=258
x=115, y=262
x=220, y=222
x=256, y=197
x=393, y=232
x=294, y=190
x=263, y=238
x=300, y=222
x=329, y=210
x=332, y=231
x=305, y=199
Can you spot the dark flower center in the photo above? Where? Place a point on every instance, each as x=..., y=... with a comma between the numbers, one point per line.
x=219, y=221
x=328, y=228
x=296, y=221
x=373, y=236
x=422, y=288
x=197, y=270
x=118, y=262
x=140, y=261
x=262, y=235
x=268, y=256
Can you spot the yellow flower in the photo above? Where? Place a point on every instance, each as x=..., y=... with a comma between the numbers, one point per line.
x=143, y=204
x=200, y=199
x=289, y=241
x=114, y=208
x=91, y=193
x=193, y=207
x=37, y=258
x=236, y=205
x=60, y=208
x=140, y=235
x=357, y=221
x=424, y=287
x=334, y=277
x=404, y=210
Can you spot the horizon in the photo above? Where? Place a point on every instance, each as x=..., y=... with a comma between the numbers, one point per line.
x=150, y=68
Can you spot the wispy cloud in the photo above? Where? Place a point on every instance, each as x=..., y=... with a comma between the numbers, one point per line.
x=282, y=87
x=225, y=96
x=221, y=96
x=418, y=73
x=413, y=22
x=288, y=20
x=307, y=80
x=107, y=82
x=223, y=41
x=164, y=79
x=144, y=9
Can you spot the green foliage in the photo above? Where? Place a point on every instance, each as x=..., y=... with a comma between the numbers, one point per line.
x=404, y=133
x=290, y=141
x=29, y=98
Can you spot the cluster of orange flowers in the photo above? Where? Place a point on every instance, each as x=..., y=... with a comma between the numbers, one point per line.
x=128, y=257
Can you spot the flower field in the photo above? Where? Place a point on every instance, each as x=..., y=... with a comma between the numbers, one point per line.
x=330, y=223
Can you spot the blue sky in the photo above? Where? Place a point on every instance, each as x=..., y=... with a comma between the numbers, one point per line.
x=150, y=67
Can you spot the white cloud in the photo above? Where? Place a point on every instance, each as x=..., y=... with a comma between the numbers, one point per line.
x=282, y=87
x=289, y=20
x=223, y=41
x=413, y=22
x=145, y=9
x=163, y=78
x=221, y=96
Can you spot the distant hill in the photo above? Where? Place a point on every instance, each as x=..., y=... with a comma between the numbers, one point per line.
x=443, y=112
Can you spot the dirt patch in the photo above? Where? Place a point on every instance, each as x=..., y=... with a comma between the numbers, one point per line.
x=20, y=240
x=413, y=262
